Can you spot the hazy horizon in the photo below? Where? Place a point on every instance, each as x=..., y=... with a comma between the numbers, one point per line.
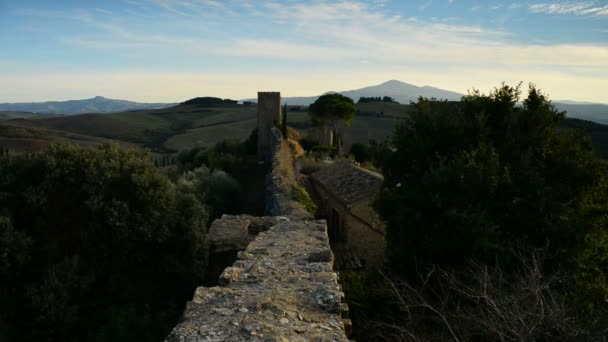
x=170, y=51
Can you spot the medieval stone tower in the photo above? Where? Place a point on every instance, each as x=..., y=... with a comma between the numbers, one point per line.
x=269, y=115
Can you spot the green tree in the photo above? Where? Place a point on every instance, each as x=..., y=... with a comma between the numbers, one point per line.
x=95, y=244
x=361, y=152
x=216, y=189
x=487, y=178
x=333, y=110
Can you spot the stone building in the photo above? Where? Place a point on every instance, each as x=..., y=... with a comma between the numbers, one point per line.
x=269, y=115
x=345, y=194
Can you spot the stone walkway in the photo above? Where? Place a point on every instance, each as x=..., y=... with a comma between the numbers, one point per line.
x=281, y=288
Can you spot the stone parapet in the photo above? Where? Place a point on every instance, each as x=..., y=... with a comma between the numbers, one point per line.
x=279, y=182
x=281, y=288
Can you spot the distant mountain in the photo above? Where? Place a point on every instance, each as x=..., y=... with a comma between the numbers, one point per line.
x=405, y=93
x=587, y=111
x=97, y=104
x=400, y=91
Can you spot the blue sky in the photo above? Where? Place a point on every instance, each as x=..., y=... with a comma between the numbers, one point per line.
x=172, y=50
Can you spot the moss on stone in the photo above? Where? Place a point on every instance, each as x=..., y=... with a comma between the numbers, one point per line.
x=299, y=194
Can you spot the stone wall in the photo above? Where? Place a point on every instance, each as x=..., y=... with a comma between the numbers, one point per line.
x=269, y=115
x=360, y=233
x=282, y=287
x=280, y=179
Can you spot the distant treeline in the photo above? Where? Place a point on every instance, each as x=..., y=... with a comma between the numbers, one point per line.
x=597, y=132
x=209, y=101
x=377, y=99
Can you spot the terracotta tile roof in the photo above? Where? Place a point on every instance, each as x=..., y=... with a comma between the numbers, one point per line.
x=348, y=183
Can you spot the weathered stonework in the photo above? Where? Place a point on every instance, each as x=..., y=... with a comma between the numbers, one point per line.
x=229, y=235
x=279, y=182
x=344, y=194
x=235, y=232
x=269, y=115
x=281, y=288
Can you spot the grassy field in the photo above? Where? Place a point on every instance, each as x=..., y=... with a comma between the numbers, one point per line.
x=210, y=135
x=367, y=124
x=11, y=115
x=19, y=138
x=170, y=130
x=164, y=130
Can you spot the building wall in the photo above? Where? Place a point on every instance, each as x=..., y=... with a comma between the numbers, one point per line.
x=356, y=228
x=269, y=115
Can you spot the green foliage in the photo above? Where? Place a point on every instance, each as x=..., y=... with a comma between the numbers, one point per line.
x=597, y=132
x=299, y=194
x=487, y=178
x=361, y=152
x=236, y=161
x=214, y=188
x=14, y=249
x=371, y=154
x=377, y=99
x=308, y=142
x=332, y=108
x=357, y=287
x=209, y=101
x=89, y=235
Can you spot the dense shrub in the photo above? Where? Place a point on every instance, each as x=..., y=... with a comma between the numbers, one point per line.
x=308, y=142
x=361, y=152
x=95, y=245
x=214, y=188
x=486, y=177
x=239, y=161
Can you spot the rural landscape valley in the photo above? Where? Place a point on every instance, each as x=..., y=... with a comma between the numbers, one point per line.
x=303, y=170
x=176, y=127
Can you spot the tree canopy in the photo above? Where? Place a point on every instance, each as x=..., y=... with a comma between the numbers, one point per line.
x=490, y=177
x=95, y=245
x=331, y=110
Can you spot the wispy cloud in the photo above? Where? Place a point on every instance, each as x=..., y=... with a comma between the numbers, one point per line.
x=574, y=8
x=347, y=35
x=191, y=8
x=347, y=32
x=425, y=5
x=104, y=11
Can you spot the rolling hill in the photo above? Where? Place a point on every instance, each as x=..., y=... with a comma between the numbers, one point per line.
x=406, y=93
x=400, y=91
x=586, y=111
x=199, y=122
x=97, y=104
x=161, y=130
